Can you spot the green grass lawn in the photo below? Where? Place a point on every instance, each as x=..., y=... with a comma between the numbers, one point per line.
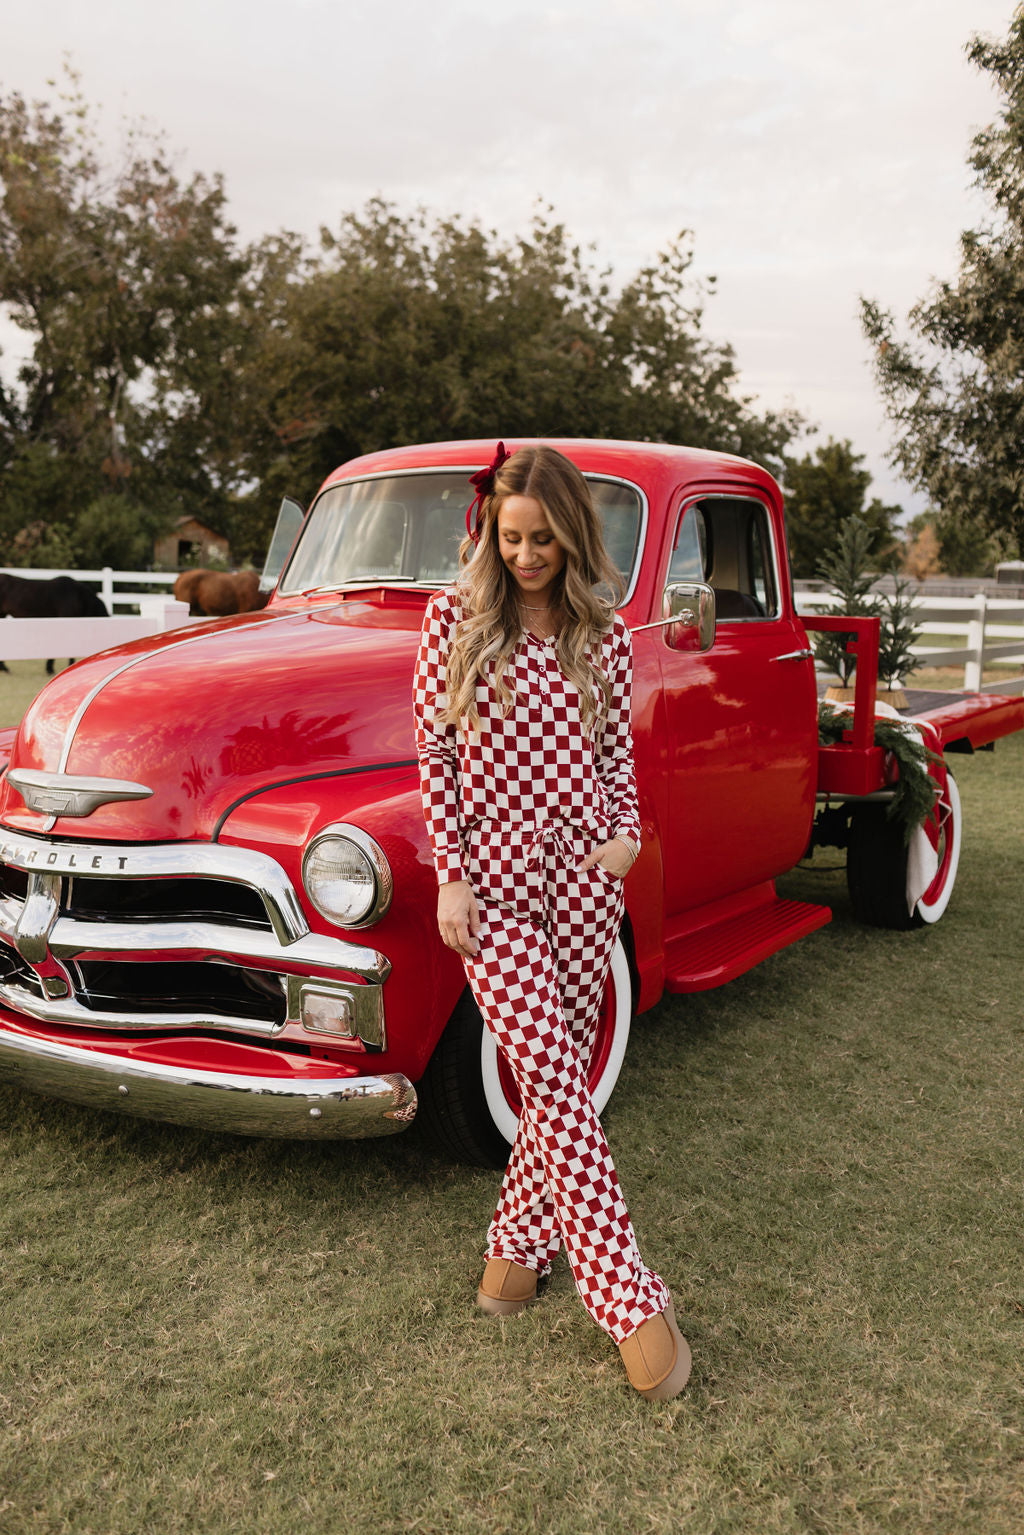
x=19, y=684
x=825, y=1159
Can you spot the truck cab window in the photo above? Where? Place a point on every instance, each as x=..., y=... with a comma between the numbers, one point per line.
x=409, y=528
x=618, y=507
x=727, y=542
x=760, y=566
x=690, y=552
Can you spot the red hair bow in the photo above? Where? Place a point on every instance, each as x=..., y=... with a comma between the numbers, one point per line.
x=484, y=482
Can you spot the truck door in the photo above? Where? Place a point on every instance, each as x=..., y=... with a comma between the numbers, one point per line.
x=741, y=717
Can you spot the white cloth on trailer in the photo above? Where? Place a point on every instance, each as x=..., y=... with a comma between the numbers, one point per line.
x=922, y=858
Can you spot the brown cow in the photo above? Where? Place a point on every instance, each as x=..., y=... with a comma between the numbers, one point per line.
x=216, y=593
x=185, y=586
x=250, y=598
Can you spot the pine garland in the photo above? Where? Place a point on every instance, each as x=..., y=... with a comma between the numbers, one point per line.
x=915, y=789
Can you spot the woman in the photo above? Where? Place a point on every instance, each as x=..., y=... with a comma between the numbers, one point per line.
x=522, y=706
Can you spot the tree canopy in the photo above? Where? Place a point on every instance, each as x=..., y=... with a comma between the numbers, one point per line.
x=172, y=371
x=404, y=328
x=824, y=490
x=954, y=390
x=125, y=285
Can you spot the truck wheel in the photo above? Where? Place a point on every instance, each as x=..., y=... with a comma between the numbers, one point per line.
x=876, y=866
x=468, y=1098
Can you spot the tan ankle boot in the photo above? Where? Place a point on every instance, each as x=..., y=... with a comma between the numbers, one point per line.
x=506, y=1287
x=657, y=1357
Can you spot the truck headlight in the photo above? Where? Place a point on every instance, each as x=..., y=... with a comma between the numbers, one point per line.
x=347, y=876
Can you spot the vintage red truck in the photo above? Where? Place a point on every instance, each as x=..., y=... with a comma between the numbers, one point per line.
x=217, y=902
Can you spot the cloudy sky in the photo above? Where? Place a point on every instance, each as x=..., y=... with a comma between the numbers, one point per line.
x=816, y=150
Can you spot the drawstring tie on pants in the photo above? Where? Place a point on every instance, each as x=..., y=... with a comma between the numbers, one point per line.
x=549, y=838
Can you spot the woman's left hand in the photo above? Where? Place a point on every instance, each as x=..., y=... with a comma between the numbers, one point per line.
x=614, y=857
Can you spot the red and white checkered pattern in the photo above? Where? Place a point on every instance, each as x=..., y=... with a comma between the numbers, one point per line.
x=533, y=765
x=514, y=807
x=545, y=947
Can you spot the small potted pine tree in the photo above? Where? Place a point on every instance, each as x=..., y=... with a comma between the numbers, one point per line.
x=850, y=578
x=899, y=633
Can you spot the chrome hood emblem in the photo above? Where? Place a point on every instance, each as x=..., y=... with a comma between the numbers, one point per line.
x=63, y=794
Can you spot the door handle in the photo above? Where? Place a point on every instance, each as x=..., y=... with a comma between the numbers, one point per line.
x=796, y=655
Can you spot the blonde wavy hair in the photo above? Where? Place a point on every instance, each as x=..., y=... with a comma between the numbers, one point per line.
x=586, y=590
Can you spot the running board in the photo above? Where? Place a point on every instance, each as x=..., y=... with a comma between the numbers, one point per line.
x=710, y=956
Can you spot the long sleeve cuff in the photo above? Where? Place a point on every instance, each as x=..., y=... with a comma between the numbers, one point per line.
x=449, y=865
x=626, y=827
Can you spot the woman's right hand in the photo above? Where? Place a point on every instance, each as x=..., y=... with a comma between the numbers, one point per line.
x=458, y=917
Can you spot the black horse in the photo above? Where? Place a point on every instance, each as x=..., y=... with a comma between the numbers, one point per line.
x=57, y=597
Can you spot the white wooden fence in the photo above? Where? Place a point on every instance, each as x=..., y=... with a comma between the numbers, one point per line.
x=976, y=621
x=108, y=582
x=142, y=614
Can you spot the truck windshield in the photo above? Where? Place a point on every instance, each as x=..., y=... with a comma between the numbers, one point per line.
x=408, y=528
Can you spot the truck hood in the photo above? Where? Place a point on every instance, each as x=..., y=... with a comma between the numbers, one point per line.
x=207, y=715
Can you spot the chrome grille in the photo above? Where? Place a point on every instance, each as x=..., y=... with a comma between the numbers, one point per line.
x=15, y=972
x=176, y=936
x=13, y=883
x=232, y=991
x=156, y=900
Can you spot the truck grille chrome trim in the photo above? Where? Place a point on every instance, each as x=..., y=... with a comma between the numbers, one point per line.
x=358, y=1013
x=68, y=1012
x=180, y=955
x=70, y=939
x=37, y=916
x=170, y=860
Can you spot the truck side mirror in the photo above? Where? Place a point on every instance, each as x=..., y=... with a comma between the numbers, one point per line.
x=690, y=608
x=286, y=531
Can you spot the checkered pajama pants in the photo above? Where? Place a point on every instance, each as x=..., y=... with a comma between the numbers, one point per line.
x=545, y=947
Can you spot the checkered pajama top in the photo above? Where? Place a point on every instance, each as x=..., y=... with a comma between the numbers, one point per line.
x=534, y=765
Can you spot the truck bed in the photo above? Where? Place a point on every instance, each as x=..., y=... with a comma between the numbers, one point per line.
x=966, y=721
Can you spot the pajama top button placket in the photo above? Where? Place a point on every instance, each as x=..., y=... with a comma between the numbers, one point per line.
x=547, y=713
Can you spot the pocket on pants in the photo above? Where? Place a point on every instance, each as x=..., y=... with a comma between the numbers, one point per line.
x=606, y=890
x=496, y=865
x=606, y=874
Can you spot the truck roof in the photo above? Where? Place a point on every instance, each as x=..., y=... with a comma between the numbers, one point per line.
x=664, y=462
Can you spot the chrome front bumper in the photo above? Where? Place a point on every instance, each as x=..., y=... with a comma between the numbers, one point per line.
x=300, y=1108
